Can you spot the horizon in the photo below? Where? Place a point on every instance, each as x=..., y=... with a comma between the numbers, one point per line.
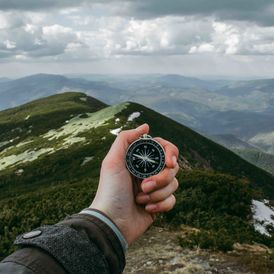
x=199, y=77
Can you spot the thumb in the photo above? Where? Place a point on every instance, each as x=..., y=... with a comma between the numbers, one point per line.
x=124, y=139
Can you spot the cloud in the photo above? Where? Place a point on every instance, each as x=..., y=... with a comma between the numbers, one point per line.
x=261, y=12
x=80, y=31
x=62, y=37
x=29, y=5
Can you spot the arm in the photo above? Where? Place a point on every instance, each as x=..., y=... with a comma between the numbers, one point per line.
x=94, y=241
x=81, y=243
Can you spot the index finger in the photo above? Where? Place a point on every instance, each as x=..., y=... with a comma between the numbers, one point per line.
x=171, y=151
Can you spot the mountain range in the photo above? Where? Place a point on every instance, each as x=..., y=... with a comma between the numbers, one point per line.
x=50, y=156
x=241, y=108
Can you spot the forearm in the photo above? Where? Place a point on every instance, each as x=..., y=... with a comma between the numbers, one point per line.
x=79, y=244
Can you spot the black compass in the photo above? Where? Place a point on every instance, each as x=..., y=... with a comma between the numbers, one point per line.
x=145, y=157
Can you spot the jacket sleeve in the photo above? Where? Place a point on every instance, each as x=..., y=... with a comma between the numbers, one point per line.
x=82, y=244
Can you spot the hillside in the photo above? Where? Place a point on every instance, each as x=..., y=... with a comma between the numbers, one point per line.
x=248, y=152
x=50, y=155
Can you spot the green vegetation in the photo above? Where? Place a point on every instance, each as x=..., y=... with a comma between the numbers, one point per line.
x=214, y=195
x=220, y=206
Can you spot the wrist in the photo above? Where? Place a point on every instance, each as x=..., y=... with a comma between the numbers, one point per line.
x=117, y=221
x=109, y=222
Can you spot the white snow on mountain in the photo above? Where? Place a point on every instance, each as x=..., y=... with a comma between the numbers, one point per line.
x=116, y=131
x=133, y=116
x=86, y=160
x=78, y=124
x=26, y=156
x=3, y=143
x=263, y=215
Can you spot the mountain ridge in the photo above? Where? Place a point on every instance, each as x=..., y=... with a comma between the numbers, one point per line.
x=51, y=159
x=196, y=148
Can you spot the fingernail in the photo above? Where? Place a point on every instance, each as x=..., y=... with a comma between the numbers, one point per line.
x=148, y=186
x=151, y=207
x=174, y=160
x=139, y=127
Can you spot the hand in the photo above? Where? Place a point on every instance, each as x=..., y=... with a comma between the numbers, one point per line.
x=134, y=212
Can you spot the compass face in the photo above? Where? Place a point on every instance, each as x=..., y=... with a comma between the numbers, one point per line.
x=145, y=157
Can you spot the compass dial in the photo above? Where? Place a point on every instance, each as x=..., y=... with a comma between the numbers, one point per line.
x=145, y=157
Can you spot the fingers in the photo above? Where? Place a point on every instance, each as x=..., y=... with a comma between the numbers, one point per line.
x=159, y=180
x=126, y=137
x=171, y=151
x=162, y=206
x=122, y=141
x=158, y=195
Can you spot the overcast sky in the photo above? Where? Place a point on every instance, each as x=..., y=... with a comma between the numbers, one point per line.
x=203, y=38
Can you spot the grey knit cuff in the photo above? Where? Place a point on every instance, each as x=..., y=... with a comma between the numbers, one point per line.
x=101, y=216
x=70, y=247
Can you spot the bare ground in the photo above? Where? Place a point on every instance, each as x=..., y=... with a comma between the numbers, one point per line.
x=158, y=252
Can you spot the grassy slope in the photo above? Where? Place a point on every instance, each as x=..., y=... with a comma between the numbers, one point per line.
x=45, y=113
x=199, y=150
x=57, y=184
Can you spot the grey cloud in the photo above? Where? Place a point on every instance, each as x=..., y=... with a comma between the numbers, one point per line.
x=29, y=5
x=251, y=10
x=260, y=11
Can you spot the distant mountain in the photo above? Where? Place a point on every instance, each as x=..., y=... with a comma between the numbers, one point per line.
x=19, y=91
x=51, y=155
x=4, y=79
x=179, y=81
x=242, y=108
x=230, y=141
x=243, y=88
x=264, y=140
x=258, y=158
x=169, y=80
x=245, y=150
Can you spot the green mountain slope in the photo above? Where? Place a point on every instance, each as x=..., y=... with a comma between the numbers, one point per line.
x=245, y=150
x=51, y=151
x=258, y=158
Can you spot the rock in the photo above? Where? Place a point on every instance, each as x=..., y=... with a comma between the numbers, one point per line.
x=255, y=248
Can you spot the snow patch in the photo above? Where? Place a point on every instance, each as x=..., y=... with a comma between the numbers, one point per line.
x=262, y=215
x=73, y=140
x=24, y=143
x=79, y=124
x=4, y=143
x=86, y=160
x=116, y=131
x=19, y=172
x=17, y=129
x=26, y=156
x=27, y=117
x=133, y=116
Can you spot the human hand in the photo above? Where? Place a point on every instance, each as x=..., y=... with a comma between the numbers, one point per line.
x=134, y=212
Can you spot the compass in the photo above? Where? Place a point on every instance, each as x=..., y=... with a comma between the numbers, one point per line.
x=145, y=157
